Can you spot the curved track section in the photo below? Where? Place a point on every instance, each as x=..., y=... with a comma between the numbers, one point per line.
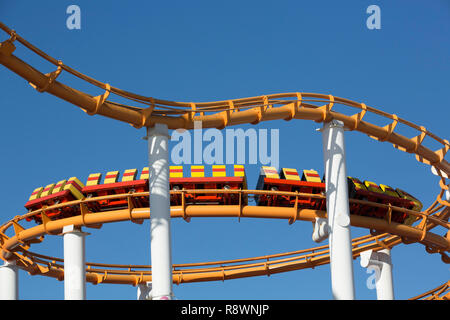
x=17, y=246
x=220, y=114
x=441, y=292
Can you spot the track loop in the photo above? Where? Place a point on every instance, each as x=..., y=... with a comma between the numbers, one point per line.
x=180, y=277
x=146, y=114
x=405, y=240
x=440, y=154
x=260, y=111
x=154, y=114
x=417, y=141
x=13, y=35
x=99, y=100
x=101, y=278
x=359, y=116
x=295, y=107
x=51, y=77
x=423, y=225
x=295, y=210
x=45, y=220
x=389, y=129
x=326, y=109
x=382, y=244
x=445, y=258
x=7, y=47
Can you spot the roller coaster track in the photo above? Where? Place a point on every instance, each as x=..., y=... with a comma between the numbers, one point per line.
x=221, y=114
x=17, y=246
x=441, y=292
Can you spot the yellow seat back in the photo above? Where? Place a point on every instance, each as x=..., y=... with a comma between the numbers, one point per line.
x=144, y=174
x=311, y=176
x=197, y=171
x=219, y=170
x=47, y=190
x=372, y=186
x=93, y=179
x=129, y=175
x=176, y=171
x=111, y=177
x=269, y=172
x=36, y=193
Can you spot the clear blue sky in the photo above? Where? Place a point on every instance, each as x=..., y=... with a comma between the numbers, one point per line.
x=211, y=50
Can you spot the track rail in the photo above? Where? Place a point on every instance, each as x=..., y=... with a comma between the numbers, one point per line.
x=207, y=271
x=17, y=246
x=220, y=114
x=441, y=292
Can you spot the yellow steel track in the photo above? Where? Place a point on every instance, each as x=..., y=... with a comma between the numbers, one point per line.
x=441, y=292
x=220, y=114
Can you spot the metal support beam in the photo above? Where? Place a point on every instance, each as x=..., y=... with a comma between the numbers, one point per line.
x=341, y=260
x=144, y=291
x=161, y=253
x=321, y=230
x=9, y=281
x=382, y=264
x=74, y=263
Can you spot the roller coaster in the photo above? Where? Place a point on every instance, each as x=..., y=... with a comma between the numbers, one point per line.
x=309, y=192
x=392, y=215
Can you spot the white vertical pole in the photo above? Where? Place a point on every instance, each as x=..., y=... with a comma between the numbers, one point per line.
x=160, y=242
x=74, y=263
x=382, y=264
x=385, y=284
x=9, y=281
x=341, y=260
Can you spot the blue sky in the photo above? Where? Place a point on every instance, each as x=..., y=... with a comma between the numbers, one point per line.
x=210, y=50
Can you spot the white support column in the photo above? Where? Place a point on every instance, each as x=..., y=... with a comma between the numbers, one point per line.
x=382, y=263
x=9, y=281
x=161, y=253
x=74, y=263
x=385, y=285
x=341, y=260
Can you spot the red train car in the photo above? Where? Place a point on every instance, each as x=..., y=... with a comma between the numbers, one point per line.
x=310, y=182
x=61, y=192
x=287, y=180
x=384, y=194
x=111, y=186
x=290, y=181
x=198, y=181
